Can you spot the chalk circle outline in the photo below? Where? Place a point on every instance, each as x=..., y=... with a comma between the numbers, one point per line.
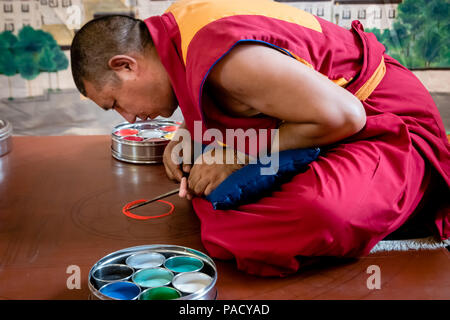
x=139, y=217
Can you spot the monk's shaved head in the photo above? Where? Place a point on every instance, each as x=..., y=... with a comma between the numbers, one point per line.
x=101, y=39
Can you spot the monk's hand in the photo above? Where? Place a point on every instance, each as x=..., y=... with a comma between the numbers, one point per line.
x=211, y=168
x=174, y=170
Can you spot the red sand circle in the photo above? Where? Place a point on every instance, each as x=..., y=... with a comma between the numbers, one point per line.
x=138, y=217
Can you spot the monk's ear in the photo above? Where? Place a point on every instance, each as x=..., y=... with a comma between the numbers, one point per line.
x=123, y=64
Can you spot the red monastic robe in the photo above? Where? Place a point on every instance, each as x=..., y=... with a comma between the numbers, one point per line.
x=358, y=191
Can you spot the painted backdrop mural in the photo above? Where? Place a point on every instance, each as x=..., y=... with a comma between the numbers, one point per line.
x=38, y=96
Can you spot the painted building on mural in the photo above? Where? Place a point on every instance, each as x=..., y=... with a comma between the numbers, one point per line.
x=148, y=8
x=321, y=8
x=58, y=12
x=59, y=17
x=14, y=14
x=372, y=13
x=379, y=14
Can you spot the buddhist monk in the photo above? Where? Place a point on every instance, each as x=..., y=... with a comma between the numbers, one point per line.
x=257, y=64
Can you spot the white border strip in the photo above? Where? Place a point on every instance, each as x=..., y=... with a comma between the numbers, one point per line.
x=428, y=243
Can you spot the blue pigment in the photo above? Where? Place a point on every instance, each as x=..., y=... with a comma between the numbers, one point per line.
x=121, y=290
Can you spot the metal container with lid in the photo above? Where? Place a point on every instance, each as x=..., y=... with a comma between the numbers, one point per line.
x=198, y=285
x=5, y=137
x=143, y=141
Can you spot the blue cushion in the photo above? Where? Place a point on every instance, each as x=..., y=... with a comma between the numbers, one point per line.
x=248, y=184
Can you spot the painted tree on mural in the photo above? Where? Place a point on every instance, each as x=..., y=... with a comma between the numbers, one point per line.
x=420, y=36
x=46, y=61
x=61, y=62
x=7, y=63
x=52, y=59
x=29, y=54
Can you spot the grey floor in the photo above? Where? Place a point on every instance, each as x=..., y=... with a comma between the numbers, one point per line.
x=63, y=113
x=60, y=113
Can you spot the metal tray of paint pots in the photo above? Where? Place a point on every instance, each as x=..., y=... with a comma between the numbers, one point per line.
x=142, y=141
x=154, y=272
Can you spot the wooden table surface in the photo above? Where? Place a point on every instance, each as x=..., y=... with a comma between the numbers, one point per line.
x=60, y=206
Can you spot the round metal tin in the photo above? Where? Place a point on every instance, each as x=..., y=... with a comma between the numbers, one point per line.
x=142, y=141
x=5, y=137
x=120, y=257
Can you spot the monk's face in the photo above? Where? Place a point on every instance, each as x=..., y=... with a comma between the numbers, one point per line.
x=139, y=88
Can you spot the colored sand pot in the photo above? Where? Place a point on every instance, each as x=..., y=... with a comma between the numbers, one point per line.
x=149, y=134
x=121, y=290
x=126, y=132
x=111, y=273
x=145, y=260
x=153, y=277
x=160, y=293
x=170, y=128
x=169, y=136
x=183, y=264
x=191, y=282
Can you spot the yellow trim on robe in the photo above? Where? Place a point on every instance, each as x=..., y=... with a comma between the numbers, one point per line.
x=193, y=15
x=342, y=82
x=301, y=59
x=366, y=90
